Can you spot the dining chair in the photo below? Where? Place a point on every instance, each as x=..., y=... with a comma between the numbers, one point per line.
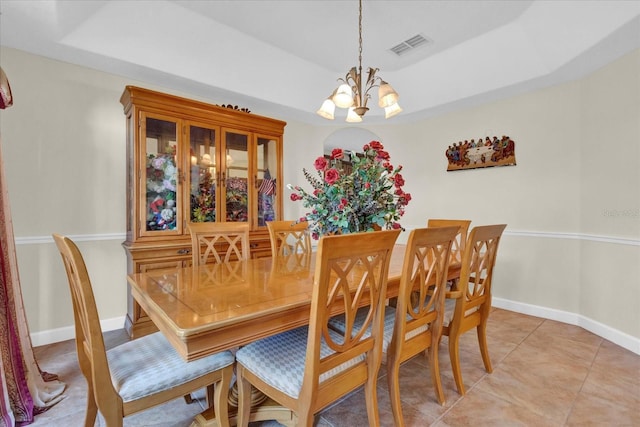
x=414, y=325
x=138, y=374
x=289, y=237
x=220, y=241
x=469, y=305
x=419, y=311
x=308, y=368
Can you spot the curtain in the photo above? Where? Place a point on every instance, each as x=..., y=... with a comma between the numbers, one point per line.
x=25, y=390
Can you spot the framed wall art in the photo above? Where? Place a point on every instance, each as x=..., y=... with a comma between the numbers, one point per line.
x=482, y=153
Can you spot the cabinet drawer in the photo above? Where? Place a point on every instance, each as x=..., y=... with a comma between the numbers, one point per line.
x=152, y=254
x=160, y=265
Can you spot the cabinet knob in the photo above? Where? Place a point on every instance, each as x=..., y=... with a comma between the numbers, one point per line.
x=184, y=251
x=253, y=245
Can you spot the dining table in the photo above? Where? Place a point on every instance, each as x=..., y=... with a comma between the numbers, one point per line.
x=206, y=309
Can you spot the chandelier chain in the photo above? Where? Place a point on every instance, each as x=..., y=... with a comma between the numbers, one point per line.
x=360, y=38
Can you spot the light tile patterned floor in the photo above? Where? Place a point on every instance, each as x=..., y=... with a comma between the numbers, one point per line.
x=545, y=373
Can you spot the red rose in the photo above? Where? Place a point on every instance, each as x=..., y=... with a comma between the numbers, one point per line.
x=336, y=153
x=382, y=155
x=295, y=197
x=365, y=148
x=376, y=145
x=367, y=185
x=320, y=163
x=399, y=180
x=317, y=191
x=331, y=176
x=396, y=225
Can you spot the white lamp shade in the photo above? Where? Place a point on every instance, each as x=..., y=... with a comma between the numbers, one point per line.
x=343, y=97
x=352, y=116
x=386, y=95
x=327, y=109
x=392, y=110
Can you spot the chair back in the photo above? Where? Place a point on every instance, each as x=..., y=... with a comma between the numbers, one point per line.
x=90, y=348
x=289, y=237
x=460, y=242
x=474, y=287
x=218, y=242
x=351, y=272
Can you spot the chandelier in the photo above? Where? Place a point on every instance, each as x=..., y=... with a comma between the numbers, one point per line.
x=352, y=95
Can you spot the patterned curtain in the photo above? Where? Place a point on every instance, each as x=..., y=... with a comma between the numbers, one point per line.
x=24, y=390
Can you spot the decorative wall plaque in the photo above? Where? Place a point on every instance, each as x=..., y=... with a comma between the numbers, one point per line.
x=482, y=153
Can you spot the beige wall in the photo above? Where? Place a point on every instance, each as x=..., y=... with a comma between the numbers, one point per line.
x=571, y=250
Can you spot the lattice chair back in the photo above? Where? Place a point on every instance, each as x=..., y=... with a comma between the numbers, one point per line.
x=218, y=242
x=289, y=237
x=460, y=242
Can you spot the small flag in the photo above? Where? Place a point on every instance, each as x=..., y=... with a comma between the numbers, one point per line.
x=268, y=185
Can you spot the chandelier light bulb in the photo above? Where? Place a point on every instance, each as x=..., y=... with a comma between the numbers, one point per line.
x=344, y=96
x=386, y=95
x=352, y=116
x=392, y=110
x=327, y=109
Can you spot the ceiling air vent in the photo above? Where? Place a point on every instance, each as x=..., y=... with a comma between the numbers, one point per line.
x=410, y=44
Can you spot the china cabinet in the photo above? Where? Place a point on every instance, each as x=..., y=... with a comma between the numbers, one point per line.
x=188, y=161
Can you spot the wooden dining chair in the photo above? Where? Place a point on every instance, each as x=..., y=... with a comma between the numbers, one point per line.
x=308, y=368
x=419, y=310
x=414, y=325
x=289, y=237
x=219, y=242
x=138, y=374
x=471, y=301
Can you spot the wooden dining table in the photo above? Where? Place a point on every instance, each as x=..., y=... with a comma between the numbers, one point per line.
x=206, y=309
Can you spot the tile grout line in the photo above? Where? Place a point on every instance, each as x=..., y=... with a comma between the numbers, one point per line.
x=473, y=386
x=573, y=403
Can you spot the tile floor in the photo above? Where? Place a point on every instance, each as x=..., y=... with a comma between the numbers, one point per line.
x=545, y=373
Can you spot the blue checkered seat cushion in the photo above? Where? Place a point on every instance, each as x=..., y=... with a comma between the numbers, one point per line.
x=279, y=360
x=150, y=364
x=338, y=323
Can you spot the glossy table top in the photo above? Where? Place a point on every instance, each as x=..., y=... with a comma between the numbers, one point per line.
x=203, y=310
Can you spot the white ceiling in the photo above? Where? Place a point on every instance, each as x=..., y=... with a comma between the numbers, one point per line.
x=284, y=56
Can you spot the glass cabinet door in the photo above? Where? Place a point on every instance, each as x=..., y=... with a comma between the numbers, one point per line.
x=267, y=169
x=235, y=175
x=160, y=177
x=203, y=175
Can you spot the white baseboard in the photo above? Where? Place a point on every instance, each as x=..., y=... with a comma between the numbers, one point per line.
x=620, y=338
x=69, y=332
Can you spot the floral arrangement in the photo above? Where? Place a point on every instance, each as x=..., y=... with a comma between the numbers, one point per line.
x=366, y=198
x=203, y=201
x=161, y=192
x=237, y=201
